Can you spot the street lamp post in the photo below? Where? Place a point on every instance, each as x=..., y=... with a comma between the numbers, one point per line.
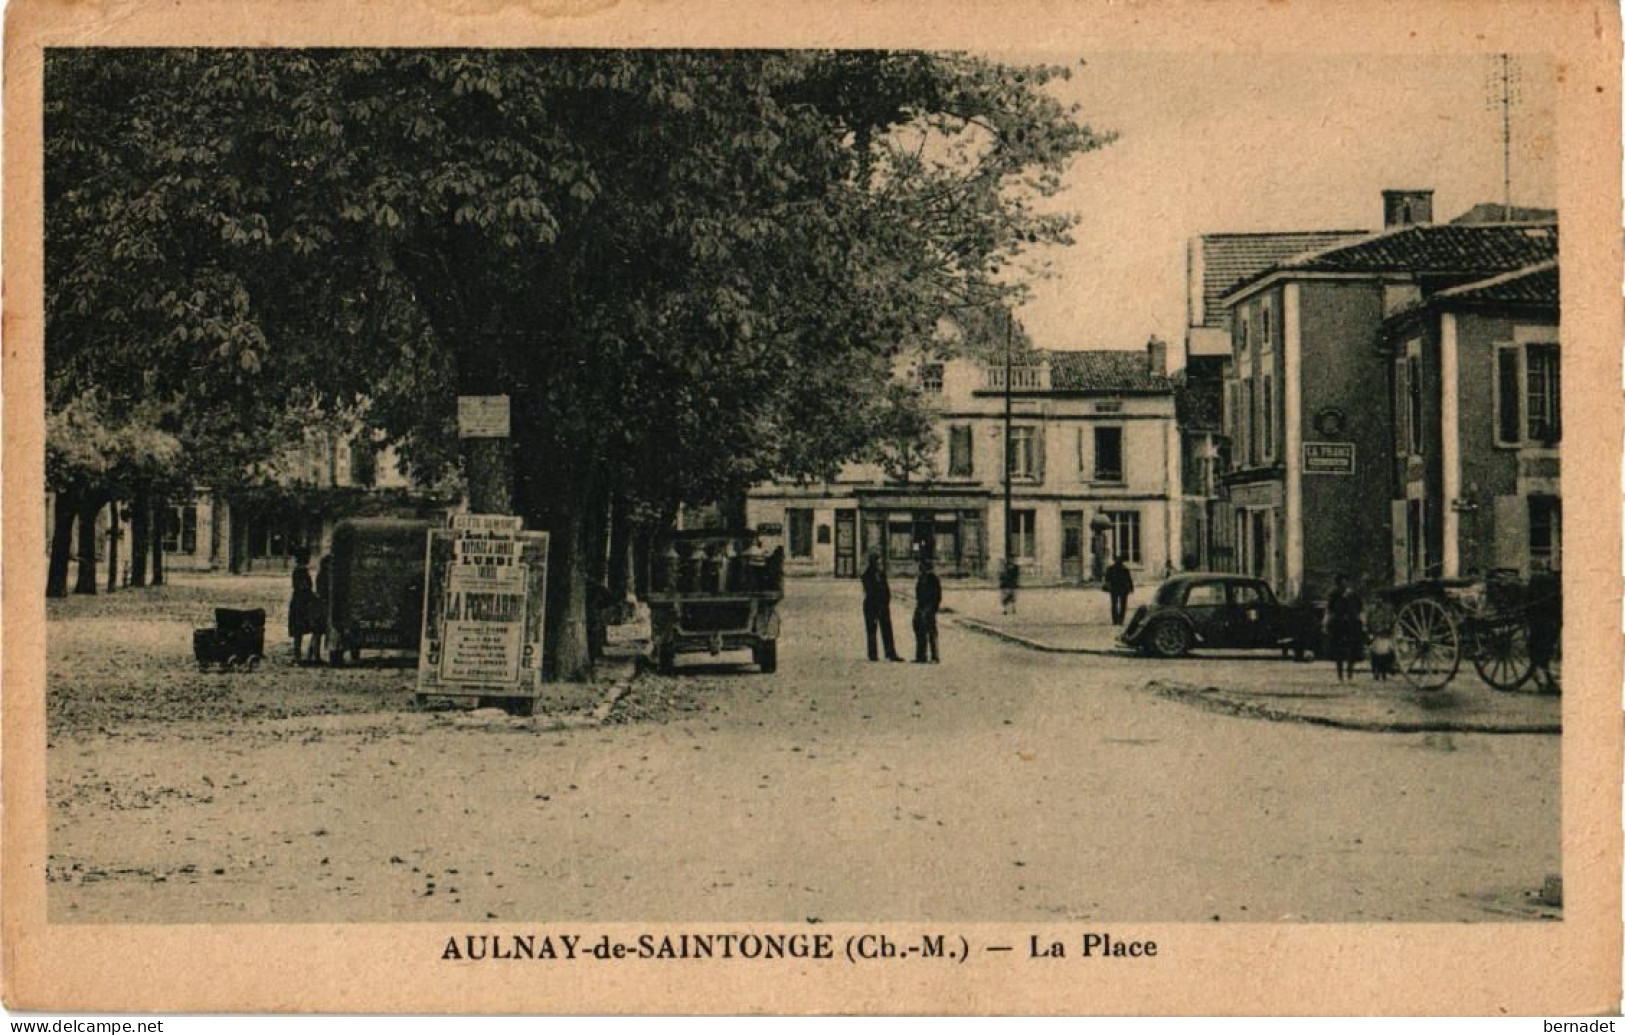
x=1009, y=445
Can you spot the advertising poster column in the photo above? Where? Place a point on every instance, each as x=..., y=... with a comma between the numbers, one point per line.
x=484, y=610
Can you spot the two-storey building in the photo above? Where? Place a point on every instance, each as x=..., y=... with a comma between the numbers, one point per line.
x=1475, y=402
x=1092, y=461
x=1214, y=264
x=1307, y=400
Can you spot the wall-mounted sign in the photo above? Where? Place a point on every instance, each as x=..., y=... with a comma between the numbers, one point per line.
x=769, y=528
x=482, y=416
x=1328, y=458
x=1109, y=406
x=484, y=610
x=486, y=523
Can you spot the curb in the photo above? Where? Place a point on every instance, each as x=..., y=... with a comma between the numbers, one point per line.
x=1203, y=697
x=1021, y=641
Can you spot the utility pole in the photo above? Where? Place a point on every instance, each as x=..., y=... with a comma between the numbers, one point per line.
x=1009, y=445
x=1503, y=90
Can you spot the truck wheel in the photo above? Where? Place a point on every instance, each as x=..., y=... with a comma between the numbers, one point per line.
x=767, y=656
x=1169, y=639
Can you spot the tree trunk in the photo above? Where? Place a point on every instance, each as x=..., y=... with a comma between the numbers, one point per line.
x=237, y=548
x=160, y=518
x=620, y=550
x=113, y=534
x=86, y=582
x=140, y=536
x=567, y=607
x=62, y=518
x=488, y=466
x=643, y=541
x=547, y=500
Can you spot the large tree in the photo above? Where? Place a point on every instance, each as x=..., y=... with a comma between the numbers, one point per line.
x=689, y=270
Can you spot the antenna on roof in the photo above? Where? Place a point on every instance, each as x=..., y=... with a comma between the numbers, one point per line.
x=1503, y=90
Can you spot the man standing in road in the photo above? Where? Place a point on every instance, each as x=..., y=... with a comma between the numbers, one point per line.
x=1119, y=583
x=877, y=608
x=927, y=598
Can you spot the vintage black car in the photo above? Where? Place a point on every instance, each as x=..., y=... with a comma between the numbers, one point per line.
x=1217, y=610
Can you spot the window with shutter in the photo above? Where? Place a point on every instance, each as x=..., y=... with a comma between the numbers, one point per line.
x=1545, y=412
x=960, y=462
x=1413, y=403
x=1507, y=387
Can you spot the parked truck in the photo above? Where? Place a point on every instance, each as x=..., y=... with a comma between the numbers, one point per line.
x=713, y=591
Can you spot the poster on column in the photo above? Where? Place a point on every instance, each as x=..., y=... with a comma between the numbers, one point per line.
x=484, y=610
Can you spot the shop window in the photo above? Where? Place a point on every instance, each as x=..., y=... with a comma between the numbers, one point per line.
x=1125, y=534
x=800, y=522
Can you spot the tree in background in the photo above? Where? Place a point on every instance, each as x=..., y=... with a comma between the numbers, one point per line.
x=690, y=271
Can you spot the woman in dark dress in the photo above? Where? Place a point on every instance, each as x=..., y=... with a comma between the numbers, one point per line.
x=302, y=608
x=1344, y=632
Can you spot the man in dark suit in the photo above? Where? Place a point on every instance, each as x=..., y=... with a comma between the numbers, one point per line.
x=1119, y=583
x=927, y=599
x=877, y=609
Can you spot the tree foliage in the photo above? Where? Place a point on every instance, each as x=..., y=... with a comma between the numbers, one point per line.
x=691, y=271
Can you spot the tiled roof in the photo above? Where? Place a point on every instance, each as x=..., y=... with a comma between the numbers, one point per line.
x=1228, y=259
x=1436, y=249
x=1532, y=285
x=1104, y=370
x=1490, y=212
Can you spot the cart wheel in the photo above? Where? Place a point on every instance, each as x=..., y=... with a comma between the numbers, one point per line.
x=1501, y=656
x=252, y=663
x=1427, y=647
x=767, y=656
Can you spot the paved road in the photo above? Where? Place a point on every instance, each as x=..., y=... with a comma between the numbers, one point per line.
x=1002, y=784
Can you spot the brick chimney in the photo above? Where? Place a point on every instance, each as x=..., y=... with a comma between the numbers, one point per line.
x=1406, y=208
x=1156, y=354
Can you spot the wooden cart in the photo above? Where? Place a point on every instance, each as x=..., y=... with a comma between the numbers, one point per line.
x=1505, y=628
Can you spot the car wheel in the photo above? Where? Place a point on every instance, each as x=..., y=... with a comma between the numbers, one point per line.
x=1170, y=639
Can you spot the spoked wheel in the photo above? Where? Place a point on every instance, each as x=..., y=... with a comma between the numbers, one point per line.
x=1427, y=647
x=1502, y=656
x=1170, y=639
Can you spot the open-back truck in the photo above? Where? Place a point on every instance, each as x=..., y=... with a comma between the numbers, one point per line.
x=712, y=591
